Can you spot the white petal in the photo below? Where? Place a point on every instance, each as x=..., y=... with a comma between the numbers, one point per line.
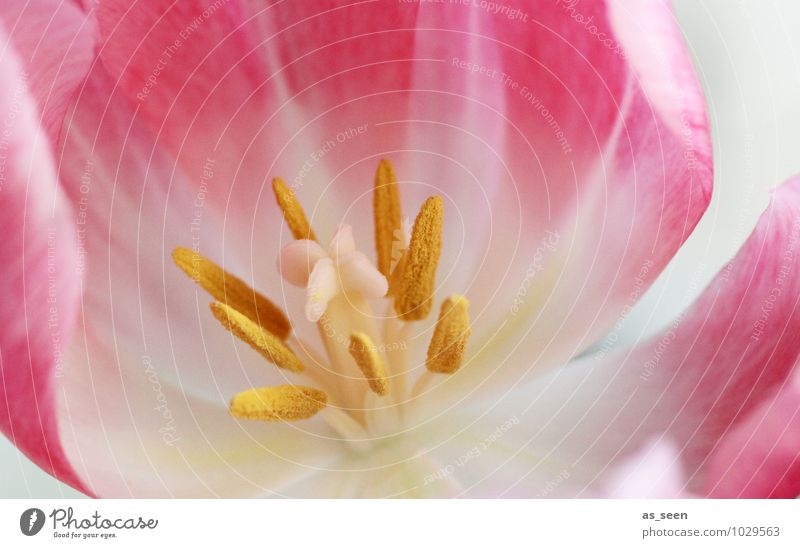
x=391, y=471
x=131, y=433
x=150, y=363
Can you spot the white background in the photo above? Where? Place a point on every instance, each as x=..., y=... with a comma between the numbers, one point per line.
x=747, y=53
x=354, y=523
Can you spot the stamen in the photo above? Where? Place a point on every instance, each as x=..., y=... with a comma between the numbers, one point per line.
x=261, y=340
x=388, y=222
x=278, y=403
x=446, y=350
x=292, y=211
x=365, y=353
x=227, y=288
x=414, y=298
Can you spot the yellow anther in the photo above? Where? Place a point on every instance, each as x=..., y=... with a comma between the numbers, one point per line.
x=414, y=297
x=292, y=211
x=388, y=222
x=261, y=340
x=365, y=353
x=278, y=403
x=227, y=288
x=446, y=350
x=397, y=277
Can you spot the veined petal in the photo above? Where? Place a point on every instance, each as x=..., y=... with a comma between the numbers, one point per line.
x=598, y=191
x=692, y=384
x=143, y=407
x=760, y=457
x=56, y=42
x=738, y=342
x=719, y=361
x=649, y=35
x=580, y=138
x=40, y=281
x=260, y=89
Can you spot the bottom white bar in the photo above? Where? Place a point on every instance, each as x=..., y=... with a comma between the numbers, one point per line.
x=386, y=523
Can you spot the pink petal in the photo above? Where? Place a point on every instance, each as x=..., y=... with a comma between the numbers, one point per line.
x=318, y=91
x=760, y=457
x=693, y=384
x=648, y=32
x=739, y=341
x=56, y=41
x=246, y=83
x=653, y=472
x=40, y=281
x=297, y=260
x=621, y=204
x=713, y=366
x=151, y=363
x=192, y=72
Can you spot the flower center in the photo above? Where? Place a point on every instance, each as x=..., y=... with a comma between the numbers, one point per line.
x=360, y=386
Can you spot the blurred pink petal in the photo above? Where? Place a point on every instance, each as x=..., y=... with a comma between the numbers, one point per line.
x=56, y=44
x=40, y=280
x=760, y=457
x=703, y=374
x=653, y=472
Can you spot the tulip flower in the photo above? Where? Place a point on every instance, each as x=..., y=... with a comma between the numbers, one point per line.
x=377, y=249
